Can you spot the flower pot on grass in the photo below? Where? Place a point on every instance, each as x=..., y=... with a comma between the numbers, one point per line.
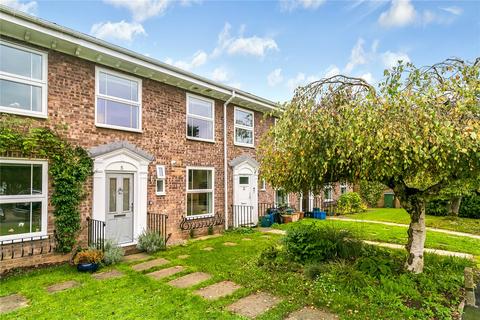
x=88, y=260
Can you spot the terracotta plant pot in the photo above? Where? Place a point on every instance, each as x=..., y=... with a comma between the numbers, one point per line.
x=287, y=218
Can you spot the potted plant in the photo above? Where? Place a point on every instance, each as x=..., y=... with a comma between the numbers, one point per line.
x=88, y=260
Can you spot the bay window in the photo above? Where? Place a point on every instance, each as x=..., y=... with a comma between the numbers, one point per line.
x=200, y=118
x=200, y=192
x=23, y=199
x=23, y=80
x=244, y=122
x=118, y=101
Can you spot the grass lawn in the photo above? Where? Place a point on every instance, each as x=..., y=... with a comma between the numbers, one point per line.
x=401, y=216
x=398, y=235
x=136, y=296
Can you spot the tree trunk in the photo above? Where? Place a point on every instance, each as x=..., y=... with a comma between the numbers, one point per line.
x=414, y=204
x=454, y=206
x=416, y=237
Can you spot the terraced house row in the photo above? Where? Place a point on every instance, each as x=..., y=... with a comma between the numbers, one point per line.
x=164, y=142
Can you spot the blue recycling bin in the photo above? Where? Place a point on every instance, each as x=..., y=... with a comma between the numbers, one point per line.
x=322, y=215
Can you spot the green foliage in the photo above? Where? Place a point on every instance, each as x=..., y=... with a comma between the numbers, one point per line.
x=210, y=230
x=151, y=242
x=437, y=207
x=113, y=253
x=313, y=270
x=350, y=202
x=89, y=255
x=275, y=258
x=470, y=206
x=69, y=167
x=241, y=230
x=371, y=192
x=320, y=242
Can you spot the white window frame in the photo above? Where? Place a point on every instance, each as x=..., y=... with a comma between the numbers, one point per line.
x=328, y=187
x=161, y=177
x=212, y=169
x=212, y=119
x=112, y=98
x=239, y=126
x=263, y=185
x=275, y=198
x=43, y=198
x=43, y=84
x=343, y=185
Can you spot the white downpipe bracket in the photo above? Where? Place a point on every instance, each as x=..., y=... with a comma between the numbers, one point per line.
x=225, y=160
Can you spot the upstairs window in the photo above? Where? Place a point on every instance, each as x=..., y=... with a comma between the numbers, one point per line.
x=328, y=193
x=23, y=199
x=200, y=118
x=118, y=101
x=160, y=185
x=263, y=186
x=23, y=80
x=244, y=121
x=343, y=188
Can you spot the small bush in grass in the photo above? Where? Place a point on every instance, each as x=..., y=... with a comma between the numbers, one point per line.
x=350, y=202
x=113, y=253
x=89, y=255
x=313, y=270
x=275, y=258
x=320, y=243
x=150, y=242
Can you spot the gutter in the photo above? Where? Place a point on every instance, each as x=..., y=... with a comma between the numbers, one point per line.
x=225, y=161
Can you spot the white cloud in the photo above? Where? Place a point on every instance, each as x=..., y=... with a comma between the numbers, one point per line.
x=357, y=56
x=390, y=59
x=400, y=13
x=368, y=77
x=141, y=10
x=300, y=80
x=289, y=5
x=27, y=7
x=199, y=58
x=254, y=45
x=275, y=77
x=220, y=74
x=122, y=30
x=453, y=10
x=331, y=71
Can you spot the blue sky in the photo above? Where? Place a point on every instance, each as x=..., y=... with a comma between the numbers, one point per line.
x=270, y=47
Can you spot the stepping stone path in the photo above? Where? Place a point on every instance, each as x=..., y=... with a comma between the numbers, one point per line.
x=136, y=257
x=12, y=302
x=254, y=305
x=207, y=249
x=183, y=256
x=246, y=239
x=108, y=275
x=190, y=280
x=62, y=286
x=311, y=314
x=230, y=244
x=163, y=273
x=266, y=237
x=150, y=264
x=218, y=290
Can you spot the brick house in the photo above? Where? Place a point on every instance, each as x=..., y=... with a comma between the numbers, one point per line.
x=162, y=140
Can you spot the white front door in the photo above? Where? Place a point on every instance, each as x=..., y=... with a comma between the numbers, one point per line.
x=245, y=201
x=119, y=205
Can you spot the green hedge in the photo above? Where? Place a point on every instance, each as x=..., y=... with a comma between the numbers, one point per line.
x=469, y=207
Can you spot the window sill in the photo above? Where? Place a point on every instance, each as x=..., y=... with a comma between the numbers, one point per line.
x=17, y=238
x=24, y=113
x=200, y=139
x=106, y=126
x=160, y=193
x=251, y=146
x=200, y=216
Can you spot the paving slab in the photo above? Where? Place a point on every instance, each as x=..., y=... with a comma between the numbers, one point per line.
x=183, y=256
x=230, y=244
x=218, y=290
x=150, y=264
x=137, y=257
x=309, y=313
x=210, y=236
x=12, y=302
x=108, y=275
x=254, y=304
x=207, y=249
x=163, y=273
x=62, y=286
x=247, y=239
x=190, y=280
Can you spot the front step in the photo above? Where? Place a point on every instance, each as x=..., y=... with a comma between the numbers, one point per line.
x=132, y=249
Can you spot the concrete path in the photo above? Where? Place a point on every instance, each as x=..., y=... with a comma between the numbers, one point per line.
x=150, y=264
x=112, y=274
x=190, y=280
x=12, y=302
x=254, y=305
x=163, y=273
x=450, y=232
x=136, y=257
x=62, y=286
x=218, y=290
x=393, y=246
x=309, y=313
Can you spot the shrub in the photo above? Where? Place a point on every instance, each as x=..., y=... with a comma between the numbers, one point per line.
x=275, y=258
x=210, y=230
x=437, y=207
x=88, y=256
x=311, y=243
x=371, y=192
x=350, y=202
x=113, y=253
x=313, y=270
x=470, y=207
x=150, y=242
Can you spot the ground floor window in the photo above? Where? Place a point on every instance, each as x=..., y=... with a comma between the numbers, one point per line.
x=23, y=198
x=328, y=193
x=343, y=188
x=281, y=198
x=200, y=191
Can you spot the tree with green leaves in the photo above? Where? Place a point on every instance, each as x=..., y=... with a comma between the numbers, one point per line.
x=416, y=133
